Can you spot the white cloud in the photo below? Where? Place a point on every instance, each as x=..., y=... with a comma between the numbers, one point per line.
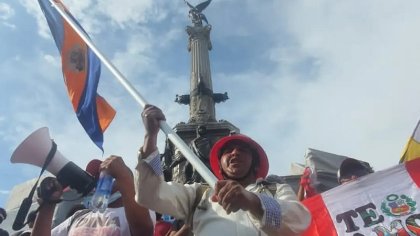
x=359, y=100
x=33, y=8
x=53, y=60
x=8, y=25
x=344, y=81
x=126, y=12
x=6, y=11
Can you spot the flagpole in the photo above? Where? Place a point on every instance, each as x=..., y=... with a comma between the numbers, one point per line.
x=207, y=175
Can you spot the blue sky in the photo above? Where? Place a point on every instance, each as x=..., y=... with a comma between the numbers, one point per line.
x=339, y=76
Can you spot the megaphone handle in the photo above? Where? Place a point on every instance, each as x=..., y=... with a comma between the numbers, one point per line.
x=21, y=215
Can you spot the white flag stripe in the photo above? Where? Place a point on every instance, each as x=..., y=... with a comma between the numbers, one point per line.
x=374, y=193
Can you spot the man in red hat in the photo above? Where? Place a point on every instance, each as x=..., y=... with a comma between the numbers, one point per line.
x=242, y=203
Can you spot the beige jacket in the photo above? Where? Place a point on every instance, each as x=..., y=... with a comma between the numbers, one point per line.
x=209, y=217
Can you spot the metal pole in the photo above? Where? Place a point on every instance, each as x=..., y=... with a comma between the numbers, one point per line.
x=207, y=175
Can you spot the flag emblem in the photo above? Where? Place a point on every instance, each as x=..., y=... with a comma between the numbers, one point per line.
x=395, y=205
x=76, y=60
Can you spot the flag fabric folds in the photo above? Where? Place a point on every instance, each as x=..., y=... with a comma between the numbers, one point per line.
x=412, y=148
x=382, y=203
x=81, y=70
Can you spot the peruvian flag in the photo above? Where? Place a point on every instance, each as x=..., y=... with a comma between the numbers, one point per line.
x=385, y=203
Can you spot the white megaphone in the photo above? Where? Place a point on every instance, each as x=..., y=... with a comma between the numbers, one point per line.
x=38, y=148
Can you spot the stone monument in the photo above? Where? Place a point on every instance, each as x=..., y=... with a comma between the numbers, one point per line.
x=202, y=129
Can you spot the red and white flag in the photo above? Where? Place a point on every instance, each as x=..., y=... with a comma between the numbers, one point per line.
x=385, y=203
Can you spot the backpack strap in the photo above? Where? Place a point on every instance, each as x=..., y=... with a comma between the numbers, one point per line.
x=199, y=193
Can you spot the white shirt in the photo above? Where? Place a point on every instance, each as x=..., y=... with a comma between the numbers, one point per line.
x=112, y=222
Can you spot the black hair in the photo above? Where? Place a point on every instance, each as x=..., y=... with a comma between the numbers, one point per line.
x=350, y=167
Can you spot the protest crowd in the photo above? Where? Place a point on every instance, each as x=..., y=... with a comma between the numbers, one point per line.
x=236, y=198
x=242, y=202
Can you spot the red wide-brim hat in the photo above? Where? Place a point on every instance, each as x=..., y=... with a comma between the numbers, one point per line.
x=217, y=147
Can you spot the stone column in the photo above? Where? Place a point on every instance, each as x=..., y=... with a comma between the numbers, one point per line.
x=202, y=108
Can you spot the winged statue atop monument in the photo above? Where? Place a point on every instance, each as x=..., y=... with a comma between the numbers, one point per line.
x=196, y=14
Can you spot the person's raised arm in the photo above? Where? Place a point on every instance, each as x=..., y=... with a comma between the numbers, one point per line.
x=152, y=191
x=137, y=216
x=51, y=192
x=151, y=117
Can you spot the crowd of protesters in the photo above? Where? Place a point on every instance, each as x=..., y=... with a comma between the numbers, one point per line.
x=242, y=202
